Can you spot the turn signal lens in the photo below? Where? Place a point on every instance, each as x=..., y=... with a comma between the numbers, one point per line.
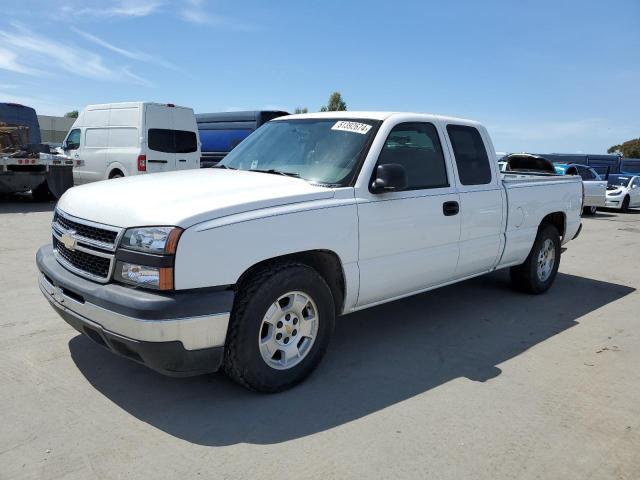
x=159, y=278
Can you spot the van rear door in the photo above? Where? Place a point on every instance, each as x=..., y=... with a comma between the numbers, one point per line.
x=160, y=138
x=186, y=139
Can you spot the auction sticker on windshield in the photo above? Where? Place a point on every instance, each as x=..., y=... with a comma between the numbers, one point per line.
x=355, y=127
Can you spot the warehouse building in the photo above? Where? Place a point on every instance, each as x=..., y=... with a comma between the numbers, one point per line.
x=54, y=129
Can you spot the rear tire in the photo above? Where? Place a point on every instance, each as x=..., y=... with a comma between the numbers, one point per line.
x=115, y=174
x=539, y=270
x=258, y=318
x=41, y=193
x=624, y=208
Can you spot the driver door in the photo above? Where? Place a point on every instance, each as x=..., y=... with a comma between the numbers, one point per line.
x=71, y=147
x=409, y=238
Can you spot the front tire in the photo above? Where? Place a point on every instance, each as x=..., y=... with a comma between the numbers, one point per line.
x=624, y=208
x=280, y=327
x=589, y=210
x=539, y=270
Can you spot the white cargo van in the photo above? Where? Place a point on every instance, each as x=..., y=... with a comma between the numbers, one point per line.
x=122, y=139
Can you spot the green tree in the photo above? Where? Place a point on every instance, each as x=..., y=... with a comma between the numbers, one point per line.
x=630, y=148
x=72, y=114
x=301, y=110
x=335, y=104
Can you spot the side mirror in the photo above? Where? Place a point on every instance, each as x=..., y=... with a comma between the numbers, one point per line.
x=391, y=177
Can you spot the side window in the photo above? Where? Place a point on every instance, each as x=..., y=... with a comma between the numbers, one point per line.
x=417, y=148
x=186, y=142
x=585, y=173
x=161, y=140
x=471, y=155
x=73, y=139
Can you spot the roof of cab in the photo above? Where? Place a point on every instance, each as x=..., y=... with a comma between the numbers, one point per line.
x=349, y=115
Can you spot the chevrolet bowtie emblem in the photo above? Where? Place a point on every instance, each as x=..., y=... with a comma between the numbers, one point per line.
x=68, y=241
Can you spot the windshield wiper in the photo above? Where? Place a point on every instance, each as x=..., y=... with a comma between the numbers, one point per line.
x=219, y=165
x=276, y=172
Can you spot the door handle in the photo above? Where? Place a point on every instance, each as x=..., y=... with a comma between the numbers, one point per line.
x=182, y=160
x=450, y=208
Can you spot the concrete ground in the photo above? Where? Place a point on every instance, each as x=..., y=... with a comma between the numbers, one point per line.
x=470, y=381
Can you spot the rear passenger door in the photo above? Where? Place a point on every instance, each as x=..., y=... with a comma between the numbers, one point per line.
x=409, y=239
x=481, y=200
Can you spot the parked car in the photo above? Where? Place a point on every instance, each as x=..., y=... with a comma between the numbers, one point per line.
x=245, y=266
x=25, y=163
x=221, y=132
x=123, y=139
x=623, y=192
x=595, y=188
x=527, y=162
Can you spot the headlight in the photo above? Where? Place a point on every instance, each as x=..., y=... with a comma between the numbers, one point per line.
x=158, y=278
x=152, y=239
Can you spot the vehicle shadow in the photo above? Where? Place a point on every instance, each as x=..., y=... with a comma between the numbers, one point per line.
x=23, y=203
x=379, y=357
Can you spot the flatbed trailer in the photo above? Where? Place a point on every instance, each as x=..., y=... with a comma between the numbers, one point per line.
x=45, y=174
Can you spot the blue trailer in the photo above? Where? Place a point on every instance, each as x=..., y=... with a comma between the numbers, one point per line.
x=221, y=132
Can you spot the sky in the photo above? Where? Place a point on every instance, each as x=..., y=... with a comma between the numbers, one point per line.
x=543, y=76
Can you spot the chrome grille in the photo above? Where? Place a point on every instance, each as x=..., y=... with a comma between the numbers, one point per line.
x=84, y=247
x=87, y=262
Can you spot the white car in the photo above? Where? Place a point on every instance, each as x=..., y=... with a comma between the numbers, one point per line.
x=245, y=266
x=623, y=192
x=122, y=139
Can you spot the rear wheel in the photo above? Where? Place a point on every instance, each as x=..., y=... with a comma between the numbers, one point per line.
x=116, y=174
x=539, y=270
x=280, y=327
x=624, y=208
x=41, y=193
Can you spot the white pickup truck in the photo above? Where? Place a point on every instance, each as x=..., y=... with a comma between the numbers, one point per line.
x=247, y=265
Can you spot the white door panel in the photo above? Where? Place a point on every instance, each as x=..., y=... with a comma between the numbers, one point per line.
x=594, y=193
x=406, y=244
x=480, y=231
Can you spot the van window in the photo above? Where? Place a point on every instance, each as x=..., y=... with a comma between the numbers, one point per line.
x=186, y=142
x=73, y=139
x=172, y=141
x=416, y=147
x=123, y=137
x=471, y=155
x=161, y=140
x=96, y=137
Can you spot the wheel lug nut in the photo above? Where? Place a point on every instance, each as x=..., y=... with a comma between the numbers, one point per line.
x=295, y=321
x=294, y=333
x=287, y=316
x=279, y=325
x=286, y=340
x=278, y=336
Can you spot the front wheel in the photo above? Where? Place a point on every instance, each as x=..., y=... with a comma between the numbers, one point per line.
x=624, y=208
x=539, y=270
x=280, y=327
x=589, y=210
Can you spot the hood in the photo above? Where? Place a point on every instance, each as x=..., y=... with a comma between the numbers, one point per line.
x=185, y=198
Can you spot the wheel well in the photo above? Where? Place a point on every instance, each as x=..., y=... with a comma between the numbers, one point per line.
x=114, y=172
x=557, y=219
x=325, y=262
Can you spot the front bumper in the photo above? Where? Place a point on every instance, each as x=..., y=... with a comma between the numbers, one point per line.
x=177, y=333
x=614, y=202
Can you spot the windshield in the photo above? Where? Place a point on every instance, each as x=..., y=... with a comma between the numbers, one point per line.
x=618, y=181
x=325, y=151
